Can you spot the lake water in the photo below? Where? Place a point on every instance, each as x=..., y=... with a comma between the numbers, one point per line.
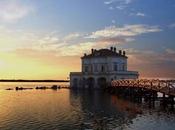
x=76, y=110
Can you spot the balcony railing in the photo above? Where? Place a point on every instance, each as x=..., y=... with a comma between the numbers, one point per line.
x=113, y=72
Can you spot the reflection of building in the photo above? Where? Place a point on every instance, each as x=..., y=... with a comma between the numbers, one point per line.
x=101, y=67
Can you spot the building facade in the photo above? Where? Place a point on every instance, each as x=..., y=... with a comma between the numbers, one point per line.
x=100, y=67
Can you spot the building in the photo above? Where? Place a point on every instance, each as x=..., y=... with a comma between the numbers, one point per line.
x=100, y=67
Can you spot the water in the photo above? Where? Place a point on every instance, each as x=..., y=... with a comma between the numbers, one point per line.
x=75, y=110
x=5, y=85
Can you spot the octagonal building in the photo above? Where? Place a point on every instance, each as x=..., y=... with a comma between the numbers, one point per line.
x=100, y=67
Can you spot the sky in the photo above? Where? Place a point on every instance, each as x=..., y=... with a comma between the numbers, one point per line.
x=44, y=39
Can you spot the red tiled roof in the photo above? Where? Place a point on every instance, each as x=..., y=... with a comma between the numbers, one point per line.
x=104, y=53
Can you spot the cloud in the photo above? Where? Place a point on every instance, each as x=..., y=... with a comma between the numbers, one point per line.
x=109, y=2
x=121, y=7
x=112, y=40
x=172, y=25
x=128, y=1
x=117, y=1
x=73, y=36
x=53, y=43
x=125, y=31
x=72, y=44
x=140, y=14
x=75, y=49
x=106, y=42
x=108, y=36
x=111, y=8
x=113, y=21
x=49, y=48
x=12, y=11
x=170, y=51
x=152, y=64
x=120, y=4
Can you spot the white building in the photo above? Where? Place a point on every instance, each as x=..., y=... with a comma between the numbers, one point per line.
x=101, y=67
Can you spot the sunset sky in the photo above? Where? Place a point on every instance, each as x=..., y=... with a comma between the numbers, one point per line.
x=44, y=39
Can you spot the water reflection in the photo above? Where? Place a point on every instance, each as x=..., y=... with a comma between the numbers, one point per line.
x=100, y=109
x=76, y=110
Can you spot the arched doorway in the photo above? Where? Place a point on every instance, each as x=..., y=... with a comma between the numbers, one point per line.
x=102, y=82
x=90, y=82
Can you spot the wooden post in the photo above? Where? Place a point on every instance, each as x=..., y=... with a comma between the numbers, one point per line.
x=172, y=102
x=164, y=101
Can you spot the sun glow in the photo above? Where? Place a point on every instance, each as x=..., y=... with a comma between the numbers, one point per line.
x=19, y=67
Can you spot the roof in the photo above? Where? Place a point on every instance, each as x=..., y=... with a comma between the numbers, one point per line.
x=104, y=53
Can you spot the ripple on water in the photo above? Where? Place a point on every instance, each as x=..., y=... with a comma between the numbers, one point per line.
x=73, y=110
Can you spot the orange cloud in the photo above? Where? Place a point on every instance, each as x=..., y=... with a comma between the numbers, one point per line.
x=152, y=64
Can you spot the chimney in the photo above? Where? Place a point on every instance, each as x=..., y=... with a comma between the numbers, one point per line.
x=92, y=50
x=124, y=53
x=120, y=52
x=111, y=48
x=84, y=54
x=114, y=49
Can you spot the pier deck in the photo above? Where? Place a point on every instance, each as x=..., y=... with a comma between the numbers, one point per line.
x=166, y=87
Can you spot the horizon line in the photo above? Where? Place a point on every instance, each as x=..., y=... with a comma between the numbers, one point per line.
x=26, y=80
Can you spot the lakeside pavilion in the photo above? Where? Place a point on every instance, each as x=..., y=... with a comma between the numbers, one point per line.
x=100, y=67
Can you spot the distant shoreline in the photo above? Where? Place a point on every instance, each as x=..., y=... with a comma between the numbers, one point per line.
x=21, y=80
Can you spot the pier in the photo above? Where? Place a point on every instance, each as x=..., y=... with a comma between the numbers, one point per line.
x=146, y=89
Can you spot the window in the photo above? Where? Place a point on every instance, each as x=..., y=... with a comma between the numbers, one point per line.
x=102, y=68
x=123, y=67
x=86, y=69
x=115, y=67
x=95, y=68
x=91, y=68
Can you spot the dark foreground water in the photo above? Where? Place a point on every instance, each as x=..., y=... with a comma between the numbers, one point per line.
x=75, y=110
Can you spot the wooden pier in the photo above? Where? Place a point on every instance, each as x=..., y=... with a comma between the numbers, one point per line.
x=145, y=88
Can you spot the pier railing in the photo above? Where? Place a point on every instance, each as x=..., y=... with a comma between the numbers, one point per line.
x=164, y=86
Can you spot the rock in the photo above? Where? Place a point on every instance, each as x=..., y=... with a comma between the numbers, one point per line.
x=9, y=89
x=21, y=88
x=41, y=87
x=55, y=87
